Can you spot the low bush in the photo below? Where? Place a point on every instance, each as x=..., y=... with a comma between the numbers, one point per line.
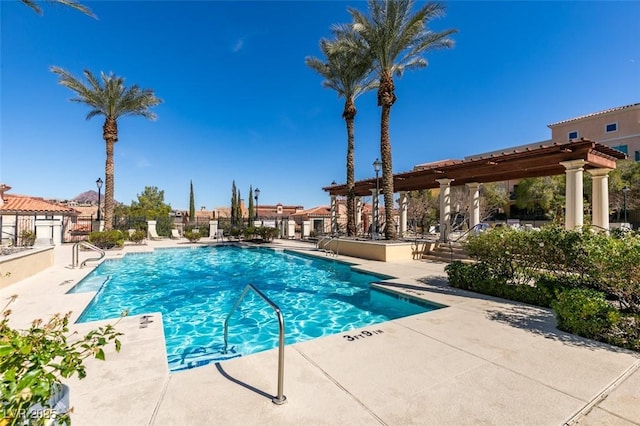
x=107, y=239
x=192, y=235
x=585, y=312
x=137, y=236
x=27, y=238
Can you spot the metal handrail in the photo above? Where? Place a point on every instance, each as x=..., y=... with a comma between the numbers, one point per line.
x=75, y=255
x=450, y=242
x=280, y=398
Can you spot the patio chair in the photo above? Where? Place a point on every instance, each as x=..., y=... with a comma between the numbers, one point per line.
x=175, y=234
x=153, y=235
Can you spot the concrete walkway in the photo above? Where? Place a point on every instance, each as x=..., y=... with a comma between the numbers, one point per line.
x=480, y=360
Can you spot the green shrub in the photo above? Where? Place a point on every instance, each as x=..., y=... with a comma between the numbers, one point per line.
x=137, y=236
x=586, y=313
x=235, y=232
x=249, y=232
x=267, y=233
x=107, y=239
x=192, y=235
x=28, y=238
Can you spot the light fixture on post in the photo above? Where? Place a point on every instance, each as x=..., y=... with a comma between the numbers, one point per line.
x=377, y=166
x=625, y=191
x=255, y=196
x=99, y=185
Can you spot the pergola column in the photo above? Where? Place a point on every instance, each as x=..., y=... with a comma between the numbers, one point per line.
x=358, y=214
x=600, y=197
x=474, y=203
x=574, y=204
x=445, y=208
x=375, y=212
x=404, y=205
x=334, y=214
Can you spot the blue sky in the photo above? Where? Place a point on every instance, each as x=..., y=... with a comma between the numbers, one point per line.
x=240, y=103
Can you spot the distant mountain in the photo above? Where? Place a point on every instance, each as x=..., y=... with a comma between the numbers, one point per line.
x=87, y=197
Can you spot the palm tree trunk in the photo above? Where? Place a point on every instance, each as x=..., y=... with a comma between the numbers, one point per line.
x=110, y=135
x=386, y=98
x=349, y=115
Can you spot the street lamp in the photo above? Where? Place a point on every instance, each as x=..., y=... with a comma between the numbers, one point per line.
x=99, y=185
x=377, y=166
x=257, y=194
x=625, y=191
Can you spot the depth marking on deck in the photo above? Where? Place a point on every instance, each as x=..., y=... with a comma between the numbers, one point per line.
x=363, y=334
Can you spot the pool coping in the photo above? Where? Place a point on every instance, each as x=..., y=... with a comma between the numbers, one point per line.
x=481, y=360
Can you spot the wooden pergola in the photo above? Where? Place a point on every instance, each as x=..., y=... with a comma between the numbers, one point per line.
x=571, y=158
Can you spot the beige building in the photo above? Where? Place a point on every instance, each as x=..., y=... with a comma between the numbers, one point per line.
x=618, y=128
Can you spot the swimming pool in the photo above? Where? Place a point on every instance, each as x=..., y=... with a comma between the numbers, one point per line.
x=195, y=288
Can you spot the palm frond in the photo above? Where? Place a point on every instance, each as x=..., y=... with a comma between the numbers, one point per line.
x=69, y=3
x=108, y=95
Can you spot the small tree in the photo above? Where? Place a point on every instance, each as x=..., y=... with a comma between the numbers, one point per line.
x=251, y=212
x=192, y=204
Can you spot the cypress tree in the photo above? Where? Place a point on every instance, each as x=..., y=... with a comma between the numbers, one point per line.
x=192, y=205
x=234, y=204
x=251, y=214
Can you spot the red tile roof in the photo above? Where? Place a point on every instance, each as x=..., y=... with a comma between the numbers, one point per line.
x=315, y=211
x=25, y=204
x=594, y=114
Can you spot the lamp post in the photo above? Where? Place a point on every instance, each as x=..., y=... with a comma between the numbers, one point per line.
x=99, y=185
x=256, y=195
x=377, y=166
x=625, y=191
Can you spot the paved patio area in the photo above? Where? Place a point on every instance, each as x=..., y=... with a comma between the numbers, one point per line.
x=480, y=360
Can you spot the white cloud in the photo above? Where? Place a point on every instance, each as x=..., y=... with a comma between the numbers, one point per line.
x=239, y=44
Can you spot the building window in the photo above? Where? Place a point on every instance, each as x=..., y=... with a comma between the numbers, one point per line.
x=637, y=155
x=573, y=135
x=622, y=148
x=611, y=127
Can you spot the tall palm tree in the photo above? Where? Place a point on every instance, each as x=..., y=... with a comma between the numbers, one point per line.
x=347, y=68
x=70, y=3
x=111, y=98
x=397, y=39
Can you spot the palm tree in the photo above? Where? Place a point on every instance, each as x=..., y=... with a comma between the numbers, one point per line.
x=112, y=99
x=397, y=39
x=70, y=3
x=347, y=69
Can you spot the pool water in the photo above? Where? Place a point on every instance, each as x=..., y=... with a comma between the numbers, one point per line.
x=195, y=289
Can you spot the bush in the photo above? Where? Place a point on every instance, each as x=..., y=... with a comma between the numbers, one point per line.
x=192, y=235
x=34, y=361
x=107, y=239
x=267, y=233
x=137, y=236
x=28, y=238
x=586, y=313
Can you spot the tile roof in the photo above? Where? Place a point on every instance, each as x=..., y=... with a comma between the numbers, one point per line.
x=25, y=204
x=314, y=211
x=594, y=114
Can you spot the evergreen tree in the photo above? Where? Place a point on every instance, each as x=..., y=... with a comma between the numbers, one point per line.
x=239, y=217
x=251, y=212
x=192, y=205
x=234, y=204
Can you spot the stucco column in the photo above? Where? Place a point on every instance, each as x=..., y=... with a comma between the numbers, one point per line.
x=358, y=215
x=574, y=205
x=334, y=214
x=445, y=208
x=404, y=205
x=600, y=197
x=474, y=204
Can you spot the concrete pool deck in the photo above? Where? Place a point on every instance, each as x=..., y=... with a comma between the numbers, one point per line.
x=480, y=360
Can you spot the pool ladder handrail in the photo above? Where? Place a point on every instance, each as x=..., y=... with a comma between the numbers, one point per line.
x=280, y=398
x=328, y=251
x=75, y=255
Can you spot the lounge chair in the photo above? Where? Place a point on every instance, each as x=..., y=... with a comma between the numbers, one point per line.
x=175, y=234
x=153, y=235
